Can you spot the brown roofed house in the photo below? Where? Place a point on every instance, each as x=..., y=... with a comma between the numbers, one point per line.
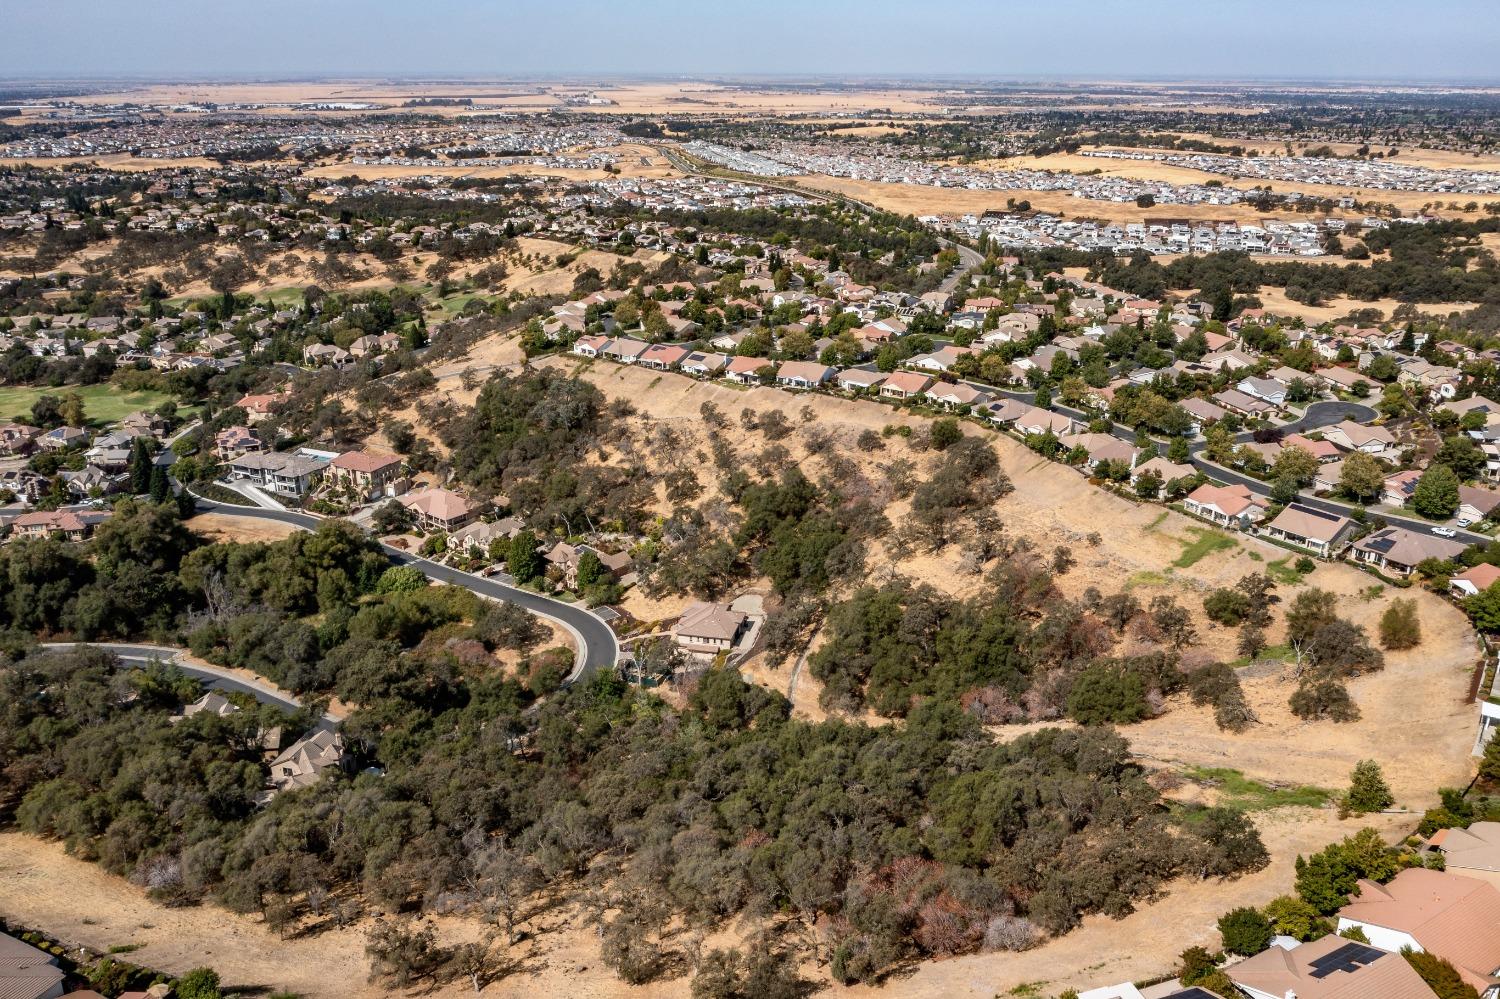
x=1315, y=530
x=1454, y=917
x=1471, y=853
x=905, y=384
x=708, y=629
x=366, y=472
x=1398, y=550
x=1330, y=968
x=439, y=509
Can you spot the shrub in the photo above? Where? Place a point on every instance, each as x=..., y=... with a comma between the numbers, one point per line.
x=1400, y=628
x=1368, y=791
x=1324, y=698
x=1227, y=607
x=1245, y=931
x=1440, y=975
x=401, y=579
x=1105, y=695
x=1293, y=917
x=200, y=983
x=945, y=433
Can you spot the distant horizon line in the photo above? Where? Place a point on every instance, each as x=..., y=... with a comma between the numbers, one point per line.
x=583, y=75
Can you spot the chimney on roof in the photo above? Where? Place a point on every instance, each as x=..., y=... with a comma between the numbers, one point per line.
x=1291, y=994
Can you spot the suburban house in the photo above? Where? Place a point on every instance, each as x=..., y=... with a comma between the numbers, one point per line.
x=1232, y=506
x=480, y=535
x=566, y=557
x=745, y=370
x=369, y=474
x=144, y=424
x=624, y=350
x=1324, y=451
x=1476, y=504
x=590, y=346
x=1344, y=378
x=1238, y=402
x=63, y=439
x=1203, y=412
x=1329, y=477
x=318, y=354
x=371, y=344
x=1265, y=389
x=855, y=380
x=1007, y=411
x=1318, y=532
x=939, y=360
x=1127, y=990
x=27, y=972
x=1102, y=447
x=1166, y=470
x=1330, y=968
x=1454, y=917
x=1397, y=550
x=1470, y=853
x=278, y=472
x=1471, y=581
x=954, y=395
x=210, y=703
x=1358, y=437
x=905, y=385
x=16, y=438
x=1227, y=360
x=438, y=509
x=1040, y=421
x=707, y=629
x=1400, y=487
x=71, y=525
x=258, y=407
x=701, y=363
x=304, y=762
x=803, y=374
x=231, y=442
x=663, y=356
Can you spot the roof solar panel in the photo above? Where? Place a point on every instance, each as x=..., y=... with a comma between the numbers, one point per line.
x=1349, y=957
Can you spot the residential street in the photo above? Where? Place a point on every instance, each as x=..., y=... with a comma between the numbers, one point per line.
x=597, y=646
x=213, y=678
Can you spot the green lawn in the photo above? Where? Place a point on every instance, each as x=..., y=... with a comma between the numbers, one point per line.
x=1283, y=573
x=1204, y=544
x=1246, y=795
x=101, y=403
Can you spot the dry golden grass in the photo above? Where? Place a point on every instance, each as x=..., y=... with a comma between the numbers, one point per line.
x=217, y=527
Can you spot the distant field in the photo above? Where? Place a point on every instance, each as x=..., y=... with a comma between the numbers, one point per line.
x=101, y=403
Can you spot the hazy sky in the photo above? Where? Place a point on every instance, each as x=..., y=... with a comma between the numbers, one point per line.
x=1365, y=39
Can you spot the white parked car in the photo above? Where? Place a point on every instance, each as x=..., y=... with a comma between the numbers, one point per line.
x=1445, y=532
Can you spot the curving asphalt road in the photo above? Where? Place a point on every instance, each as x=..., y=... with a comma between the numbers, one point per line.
x=1318, y=414
x=596, y=643
x=1326, y=413
x=212, y=677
